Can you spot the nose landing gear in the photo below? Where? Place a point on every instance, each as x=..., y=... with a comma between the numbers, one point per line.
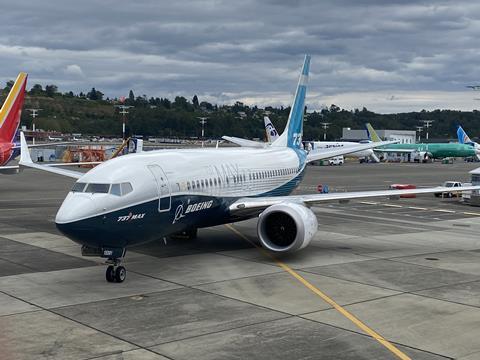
x=115, y=272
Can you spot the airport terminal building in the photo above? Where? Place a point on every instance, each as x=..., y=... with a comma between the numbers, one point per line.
x=404, y=136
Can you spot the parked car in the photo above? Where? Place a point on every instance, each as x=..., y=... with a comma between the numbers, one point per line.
x=450, y=184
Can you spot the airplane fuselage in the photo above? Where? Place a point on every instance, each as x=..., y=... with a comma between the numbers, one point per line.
x=6, y=153
x=170, y=191
x=436, y=150
x=342, y=144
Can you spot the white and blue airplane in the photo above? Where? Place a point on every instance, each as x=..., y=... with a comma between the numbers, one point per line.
x=145, y=197
x=272, y=135
x=463, y=138
x=270, y=131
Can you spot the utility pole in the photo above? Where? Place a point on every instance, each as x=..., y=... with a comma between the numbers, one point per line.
x=34, y=113
x=124, y=112
x=419, y=130
x=427, y=124
x=325, y=127
x=203, y=121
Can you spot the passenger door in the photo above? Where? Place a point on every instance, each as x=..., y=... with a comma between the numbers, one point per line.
x=163, y=188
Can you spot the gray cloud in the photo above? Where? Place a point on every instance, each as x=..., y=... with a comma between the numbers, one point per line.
x=250, y=50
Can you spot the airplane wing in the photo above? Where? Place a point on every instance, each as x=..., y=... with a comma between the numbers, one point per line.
x=407, y=151
x=329, y=153
x=251, y=205
x=244, y=142
x=17, y=146
x=26, y=161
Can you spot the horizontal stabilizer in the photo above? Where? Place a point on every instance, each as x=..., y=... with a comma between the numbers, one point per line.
x=26, y=161
x=244, y=142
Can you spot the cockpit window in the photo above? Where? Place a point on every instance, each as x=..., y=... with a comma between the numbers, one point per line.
x=97, y=188
x=78, y=187
x=126, y=188
x=115, y=190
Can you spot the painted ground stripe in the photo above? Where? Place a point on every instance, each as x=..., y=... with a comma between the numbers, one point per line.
x=445, y=211
x=417, y=208
x=470, y=213
x=368, y=202
x=392, y=205
x=392, y=348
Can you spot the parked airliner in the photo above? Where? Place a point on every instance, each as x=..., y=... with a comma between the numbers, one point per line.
x=270, y=132
x=143, y=197
x=463, y=138
x=10, y=119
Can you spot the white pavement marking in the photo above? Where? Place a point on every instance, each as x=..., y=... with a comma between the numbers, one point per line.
x=368, y=202
x=417, y=208
x=445, y=211
x=392, y=205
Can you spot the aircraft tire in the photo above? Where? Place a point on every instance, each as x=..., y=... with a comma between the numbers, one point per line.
x=110, y=274
x=120, y=274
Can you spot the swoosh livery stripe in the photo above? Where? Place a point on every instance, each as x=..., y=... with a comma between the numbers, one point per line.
x=11, y=109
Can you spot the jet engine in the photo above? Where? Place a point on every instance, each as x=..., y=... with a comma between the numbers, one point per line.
x=286, y=227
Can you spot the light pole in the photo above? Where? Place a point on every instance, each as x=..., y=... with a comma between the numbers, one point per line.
x=325, y=127
x=203, y=121
x=124, y=112
x=419, y=130
x=34, y=113
x=427, y=124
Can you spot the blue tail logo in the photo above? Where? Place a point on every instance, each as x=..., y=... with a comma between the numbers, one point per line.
x=462, y=136
x=292, y=135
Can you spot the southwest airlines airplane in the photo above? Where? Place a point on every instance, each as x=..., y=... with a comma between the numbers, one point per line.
x=10, y=119
x=143, y=197
x=10, y=114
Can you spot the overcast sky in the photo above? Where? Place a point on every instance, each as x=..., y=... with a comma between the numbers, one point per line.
x=404, y=56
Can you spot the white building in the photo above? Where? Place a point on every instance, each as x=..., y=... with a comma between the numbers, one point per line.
x=404, y=136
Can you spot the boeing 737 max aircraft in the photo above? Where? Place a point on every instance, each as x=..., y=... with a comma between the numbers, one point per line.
x=143, y=197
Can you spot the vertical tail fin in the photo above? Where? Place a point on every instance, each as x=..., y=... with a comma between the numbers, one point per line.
x=12, y=109
x=292, y=135
x=462, y=136
x=372, y=134
x=272, y=133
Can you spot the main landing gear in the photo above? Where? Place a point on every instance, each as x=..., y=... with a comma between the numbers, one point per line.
x=115, y=272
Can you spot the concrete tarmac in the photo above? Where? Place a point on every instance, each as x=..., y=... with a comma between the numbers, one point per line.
x=409, y=269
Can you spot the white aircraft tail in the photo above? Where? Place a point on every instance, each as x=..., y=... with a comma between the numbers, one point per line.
x=270, y=130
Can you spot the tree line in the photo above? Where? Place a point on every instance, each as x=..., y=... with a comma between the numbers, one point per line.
x=91, y=112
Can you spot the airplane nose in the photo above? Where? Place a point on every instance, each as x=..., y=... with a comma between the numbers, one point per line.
x=75, y=207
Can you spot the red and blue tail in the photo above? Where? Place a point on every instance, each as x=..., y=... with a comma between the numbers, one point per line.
x=12, y=109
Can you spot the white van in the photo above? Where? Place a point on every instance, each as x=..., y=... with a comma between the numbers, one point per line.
x=337, y=160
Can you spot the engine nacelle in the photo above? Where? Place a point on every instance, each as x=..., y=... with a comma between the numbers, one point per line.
x=286, y=227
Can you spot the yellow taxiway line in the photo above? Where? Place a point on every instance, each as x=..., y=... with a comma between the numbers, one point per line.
x=471, y=213
x=393, y=349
